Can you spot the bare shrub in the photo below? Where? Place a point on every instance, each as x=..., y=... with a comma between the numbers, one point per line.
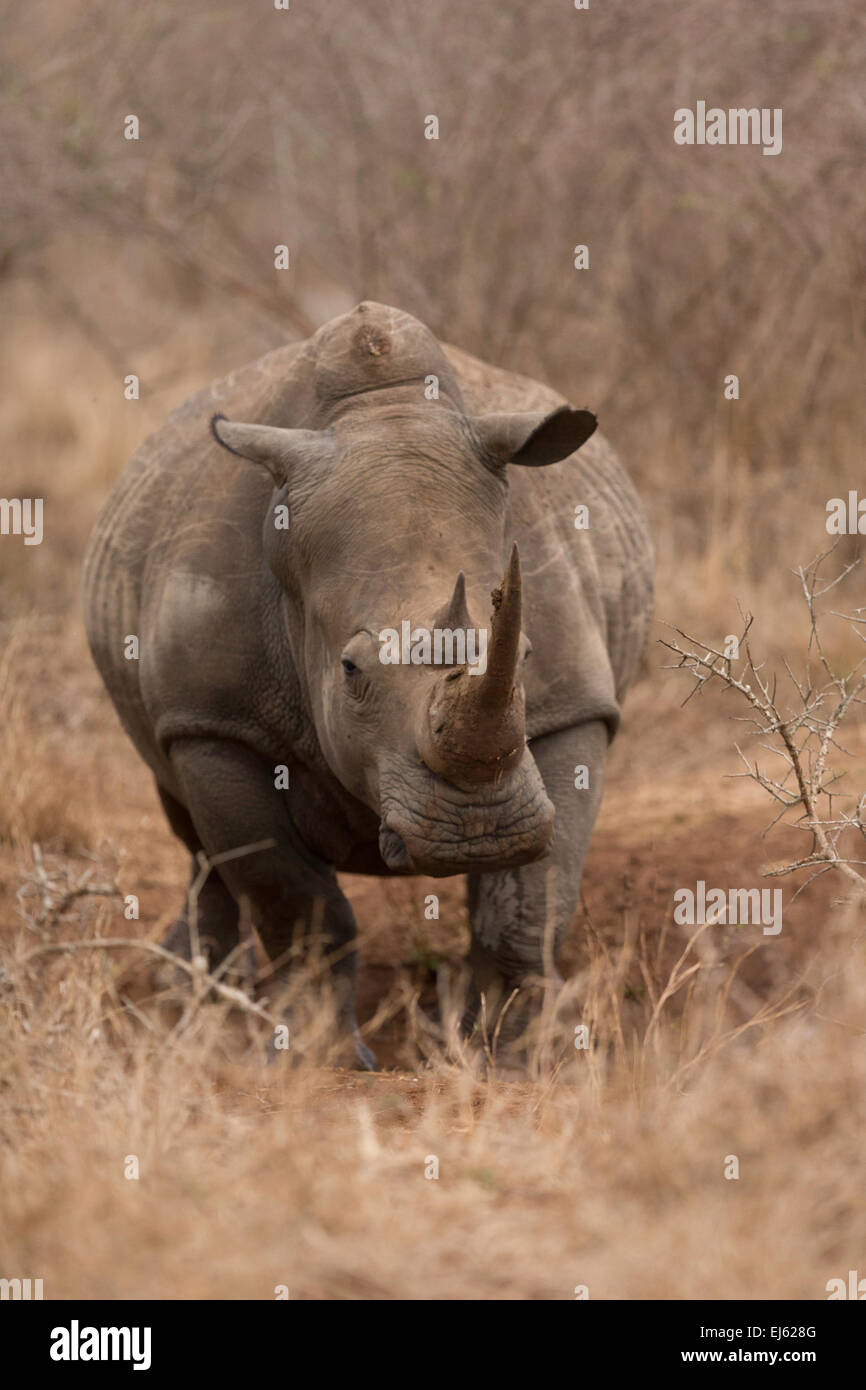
x=801, y=735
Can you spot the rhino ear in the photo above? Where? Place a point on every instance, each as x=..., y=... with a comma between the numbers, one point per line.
x=277, y=450
x=533, y=438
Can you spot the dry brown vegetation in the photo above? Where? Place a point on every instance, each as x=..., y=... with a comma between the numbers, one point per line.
x=611, y=1176
x=603, y=1168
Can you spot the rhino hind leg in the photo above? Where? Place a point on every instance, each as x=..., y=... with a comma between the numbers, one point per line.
x=293, y=897
x=519, y=917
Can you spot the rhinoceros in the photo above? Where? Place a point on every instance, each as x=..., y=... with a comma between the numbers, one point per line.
x=260, y=543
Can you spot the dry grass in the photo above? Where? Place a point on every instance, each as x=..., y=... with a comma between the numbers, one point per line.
x=611, y=1176
x=602, y=1168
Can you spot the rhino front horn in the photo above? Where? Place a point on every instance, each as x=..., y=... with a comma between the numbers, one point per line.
x=497, y=683
x=476, y=726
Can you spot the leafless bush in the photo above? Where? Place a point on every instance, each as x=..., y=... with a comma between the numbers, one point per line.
x=801, y=734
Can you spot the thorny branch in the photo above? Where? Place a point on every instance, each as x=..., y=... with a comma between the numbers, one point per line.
x=804, y=733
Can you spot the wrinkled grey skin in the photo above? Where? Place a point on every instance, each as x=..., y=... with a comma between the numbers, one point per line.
x=258, y=645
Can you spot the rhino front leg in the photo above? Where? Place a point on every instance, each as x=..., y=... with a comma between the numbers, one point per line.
x=519, y=917
x=216, y=909
x=293, y=896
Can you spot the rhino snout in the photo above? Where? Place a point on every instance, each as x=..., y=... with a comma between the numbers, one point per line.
x=433, y=827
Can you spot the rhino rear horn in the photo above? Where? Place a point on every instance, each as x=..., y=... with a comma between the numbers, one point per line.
x=534, y=438
x=278, y=450
x=455, y=614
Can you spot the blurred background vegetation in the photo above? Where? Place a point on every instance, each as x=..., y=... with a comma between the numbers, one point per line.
x=306, y=127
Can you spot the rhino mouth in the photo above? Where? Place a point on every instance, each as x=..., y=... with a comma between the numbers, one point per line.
x=429, y=826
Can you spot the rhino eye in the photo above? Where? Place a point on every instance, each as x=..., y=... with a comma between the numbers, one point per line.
x=349, y=667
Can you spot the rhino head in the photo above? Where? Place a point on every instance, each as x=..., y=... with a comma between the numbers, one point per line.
x=398, y=509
